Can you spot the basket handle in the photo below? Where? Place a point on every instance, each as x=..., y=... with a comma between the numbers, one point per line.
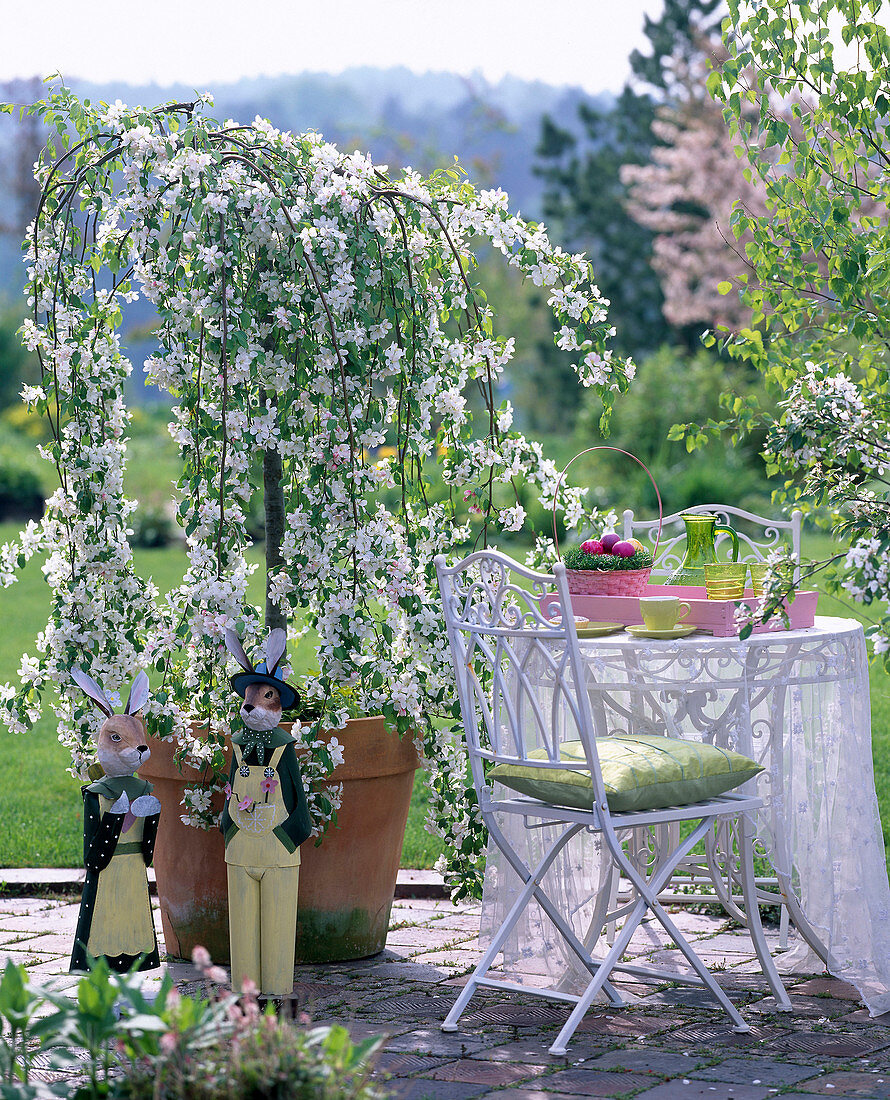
x=618, y=450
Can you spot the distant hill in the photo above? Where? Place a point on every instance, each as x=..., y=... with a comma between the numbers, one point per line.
x=400, y=117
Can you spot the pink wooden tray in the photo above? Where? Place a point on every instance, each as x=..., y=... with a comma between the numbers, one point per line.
x=717, y=617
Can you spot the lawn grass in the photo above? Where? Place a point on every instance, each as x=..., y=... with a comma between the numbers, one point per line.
x=40, y=804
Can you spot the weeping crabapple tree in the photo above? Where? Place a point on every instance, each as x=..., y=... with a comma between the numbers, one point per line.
x=312, y=309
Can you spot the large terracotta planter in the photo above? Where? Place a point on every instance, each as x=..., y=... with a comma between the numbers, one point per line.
x=347, y=884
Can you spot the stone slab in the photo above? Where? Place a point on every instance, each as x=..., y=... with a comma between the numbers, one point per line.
x=755, y=1071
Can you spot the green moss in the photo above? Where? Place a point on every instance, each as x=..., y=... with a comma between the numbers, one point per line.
x=576, y=558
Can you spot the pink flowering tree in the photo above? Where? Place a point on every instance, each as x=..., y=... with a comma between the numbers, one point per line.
x=319, y=319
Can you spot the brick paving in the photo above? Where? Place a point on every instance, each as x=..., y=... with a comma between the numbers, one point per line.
x=671, y=1043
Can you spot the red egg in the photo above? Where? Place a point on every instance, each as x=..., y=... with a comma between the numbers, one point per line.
x=608, y=540
x=624, y=549
x=592, y=546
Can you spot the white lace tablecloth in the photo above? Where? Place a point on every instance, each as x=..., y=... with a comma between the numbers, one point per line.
x=798, y=703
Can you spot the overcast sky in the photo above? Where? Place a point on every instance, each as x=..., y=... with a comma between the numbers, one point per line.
x=207, y=42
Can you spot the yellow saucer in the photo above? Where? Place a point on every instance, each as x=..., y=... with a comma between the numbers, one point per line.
x=675, y=632
x=597, y=630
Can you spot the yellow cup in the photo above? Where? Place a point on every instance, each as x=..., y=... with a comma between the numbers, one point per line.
x=662, y=612
x=725, y=580
x=758, y=572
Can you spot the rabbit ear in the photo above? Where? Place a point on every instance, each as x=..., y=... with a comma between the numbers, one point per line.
x=89, y=687
x=138, y=694
x=276, y=644
x=233, y=645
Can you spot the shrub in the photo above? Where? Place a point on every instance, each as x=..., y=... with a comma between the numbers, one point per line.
x=218, y=1047
x=21, y=490
x=152, y=527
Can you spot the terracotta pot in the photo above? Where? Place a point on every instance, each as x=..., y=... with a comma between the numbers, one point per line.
x=189, y=864
x=347, y=884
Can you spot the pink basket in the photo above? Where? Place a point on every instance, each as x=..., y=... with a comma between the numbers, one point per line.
x=607, y=582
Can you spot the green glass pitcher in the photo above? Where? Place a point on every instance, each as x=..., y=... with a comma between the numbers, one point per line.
x=701, y=535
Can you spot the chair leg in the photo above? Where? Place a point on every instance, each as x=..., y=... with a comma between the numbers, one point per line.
x=531, y=888
x=752, y=914
x=649, y=893
x=605, y=967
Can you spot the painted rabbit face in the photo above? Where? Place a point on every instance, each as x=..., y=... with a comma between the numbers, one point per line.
x=121, y=746
x=261, y=709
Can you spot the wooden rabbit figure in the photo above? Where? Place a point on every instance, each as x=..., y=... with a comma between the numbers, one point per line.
x=265, y=820
x=120, y=824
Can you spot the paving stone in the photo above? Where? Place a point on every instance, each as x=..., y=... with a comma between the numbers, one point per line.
x=834, y=987
x=812, y=1007
x=862, y=1016
x=516, y=1016
x=692, y=997
x=433, y=1041
x=417, y=1006
x=404, y=1065
x=624, y=1024
x=687, y=1089
x=421, y=1088
x=718, y=1036
x=649, y=1061
x=537, y=1052
x=755, y=1071
x=530, y=1094
x=876, y=1086
x=484, y=1073
x=828, y=1044
x=588, y=1082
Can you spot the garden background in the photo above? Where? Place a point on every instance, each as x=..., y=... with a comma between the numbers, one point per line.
x=643, y=181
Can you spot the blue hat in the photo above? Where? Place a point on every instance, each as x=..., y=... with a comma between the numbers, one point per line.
x=290, y=697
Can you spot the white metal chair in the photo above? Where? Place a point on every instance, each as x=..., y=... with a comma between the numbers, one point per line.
x=497, y=634
x=752, y=546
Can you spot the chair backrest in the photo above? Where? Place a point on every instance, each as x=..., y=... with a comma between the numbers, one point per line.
x=758, y=535
x=517, y=663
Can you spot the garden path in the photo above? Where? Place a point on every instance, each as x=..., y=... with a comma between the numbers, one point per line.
x=669, y=1044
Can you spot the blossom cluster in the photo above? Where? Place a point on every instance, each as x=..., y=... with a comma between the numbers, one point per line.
x=313, y=308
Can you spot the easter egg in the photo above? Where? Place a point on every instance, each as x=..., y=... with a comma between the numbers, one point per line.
x=608, y=540
x=624, y=549
x=636, y=544
x=592, y=546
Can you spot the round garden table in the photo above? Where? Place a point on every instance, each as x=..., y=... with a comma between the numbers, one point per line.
x=797, y=702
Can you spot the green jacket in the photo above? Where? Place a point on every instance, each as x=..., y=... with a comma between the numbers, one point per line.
x=297, y=826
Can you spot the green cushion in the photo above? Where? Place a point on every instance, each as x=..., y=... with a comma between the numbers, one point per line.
x=639, y=772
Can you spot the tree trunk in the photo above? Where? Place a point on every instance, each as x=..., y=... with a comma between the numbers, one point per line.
x=273, y=505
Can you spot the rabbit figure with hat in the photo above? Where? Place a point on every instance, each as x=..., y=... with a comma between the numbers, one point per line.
x=264, y=822
x=120, y=825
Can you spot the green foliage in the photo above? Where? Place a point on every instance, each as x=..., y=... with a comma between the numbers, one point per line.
x=669, y=387
x=584, y=202
x=170, y=1048
x=17, y=365
x=805, y=91
x=674, y=39
x=21, y=488
x=152, y=527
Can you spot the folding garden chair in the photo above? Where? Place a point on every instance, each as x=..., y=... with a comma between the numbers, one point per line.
x=521, y=682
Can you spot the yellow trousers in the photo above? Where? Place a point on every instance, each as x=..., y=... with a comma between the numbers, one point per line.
x=262, y=919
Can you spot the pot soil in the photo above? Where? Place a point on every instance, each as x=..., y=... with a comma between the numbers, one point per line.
x=347, y=883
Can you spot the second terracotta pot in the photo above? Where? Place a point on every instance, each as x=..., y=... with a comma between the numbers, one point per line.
x=347, y=884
